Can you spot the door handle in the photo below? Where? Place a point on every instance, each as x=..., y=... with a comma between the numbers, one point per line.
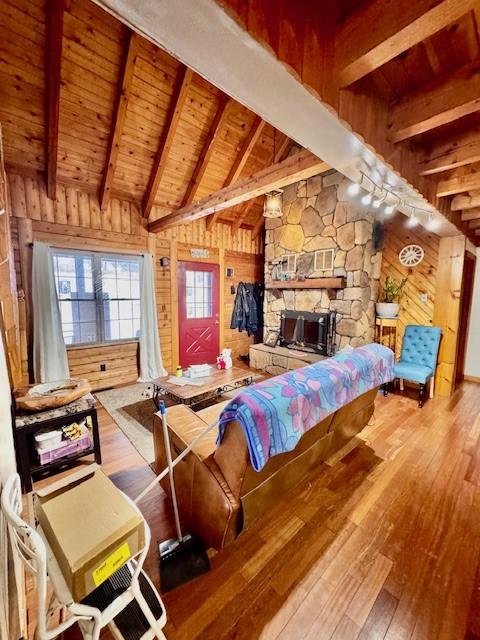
x=216, y=322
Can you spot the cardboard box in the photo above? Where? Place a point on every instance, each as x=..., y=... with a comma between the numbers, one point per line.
x=90, y=526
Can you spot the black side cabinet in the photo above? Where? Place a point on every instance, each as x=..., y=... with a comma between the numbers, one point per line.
x=27, y=424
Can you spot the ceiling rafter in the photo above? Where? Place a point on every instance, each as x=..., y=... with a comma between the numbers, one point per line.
x=380, y=30
x=442, y=101
x=240, y=161
x=55, y=15
x=182, y=84
x=257, y=229
x=277, y=156
x=458, y=184
x=453, y=152
x=461, y=202
x=132, y=43
x=300, y=166
x=208, y=148
x=473, y=214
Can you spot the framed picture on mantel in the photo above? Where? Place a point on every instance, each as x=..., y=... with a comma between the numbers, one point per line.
x=271, y=338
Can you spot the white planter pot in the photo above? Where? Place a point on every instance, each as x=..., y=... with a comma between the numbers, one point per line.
x=387, y=309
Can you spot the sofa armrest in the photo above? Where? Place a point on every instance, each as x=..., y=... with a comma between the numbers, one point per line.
x=206, y=504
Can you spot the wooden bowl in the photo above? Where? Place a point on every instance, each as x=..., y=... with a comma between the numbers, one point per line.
x=49, y=395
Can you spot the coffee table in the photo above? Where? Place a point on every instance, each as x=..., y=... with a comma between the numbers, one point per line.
x=220, y=381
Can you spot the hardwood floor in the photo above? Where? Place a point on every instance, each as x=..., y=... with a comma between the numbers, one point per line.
x=381, y=544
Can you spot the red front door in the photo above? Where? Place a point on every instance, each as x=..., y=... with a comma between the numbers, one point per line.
x=198, y=301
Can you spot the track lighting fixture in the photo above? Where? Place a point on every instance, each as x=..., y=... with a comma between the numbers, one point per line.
x=389, y=209
x=433, y=223
x=413, y=220
x=353, y=189
x=366, y=199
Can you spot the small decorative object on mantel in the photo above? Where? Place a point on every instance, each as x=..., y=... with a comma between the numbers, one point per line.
x=49, y=395
x=390, y=298
x=411, y=255
x=272, y=338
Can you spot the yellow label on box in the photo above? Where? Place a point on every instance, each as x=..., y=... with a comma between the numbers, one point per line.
x=111, y=564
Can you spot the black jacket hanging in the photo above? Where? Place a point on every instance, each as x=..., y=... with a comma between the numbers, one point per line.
x=247, y=312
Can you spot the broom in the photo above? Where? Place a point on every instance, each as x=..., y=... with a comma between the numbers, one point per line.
x=184, y=557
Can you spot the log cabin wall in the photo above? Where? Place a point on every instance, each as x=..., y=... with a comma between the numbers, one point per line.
x=74, y=221
x=439, y=276
x=421, y=279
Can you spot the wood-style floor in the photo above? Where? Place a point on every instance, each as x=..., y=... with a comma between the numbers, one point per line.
x=381, y=544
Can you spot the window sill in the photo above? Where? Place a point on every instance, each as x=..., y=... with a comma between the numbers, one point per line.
x=96, y=345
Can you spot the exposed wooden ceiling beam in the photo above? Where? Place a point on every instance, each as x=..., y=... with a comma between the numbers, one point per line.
x=461, y=202
x=473, y=214
x=458, y=184
x=208, y=147
x=119, y=115
x=297, y=167
x=183, y=81
x=259, y=224
x=241, y=159
x=439, y=103
x=380, y=30
x=277, y=156
x=456, y=151
x=55, y=13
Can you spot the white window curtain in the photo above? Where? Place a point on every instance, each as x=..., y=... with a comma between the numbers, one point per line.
x=49, y=353
x=151, y=365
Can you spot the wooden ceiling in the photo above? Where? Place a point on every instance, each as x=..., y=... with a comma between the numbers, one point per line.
x=403, y=75
x=86, y=102
x=433, y=92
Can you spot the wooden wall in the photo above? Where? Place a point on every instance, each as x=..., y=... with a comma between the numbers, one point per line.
x=9, y=320
x=439, y=275
x=245, y=270
x=74, y=221
x=421, y=279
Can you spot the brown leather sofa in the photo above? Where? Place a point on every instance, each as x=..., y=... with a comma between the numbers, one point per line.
x=219, y=493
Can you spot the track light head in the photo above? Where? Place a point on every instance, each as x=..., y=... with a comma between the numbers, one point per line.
x=412, y=221
x=353, y=189
x=367, y=199
x=389, y=209
x=433, y=223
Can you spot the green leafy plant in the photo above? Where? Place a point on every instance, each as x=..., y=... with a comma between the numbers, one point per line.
x=393, y=290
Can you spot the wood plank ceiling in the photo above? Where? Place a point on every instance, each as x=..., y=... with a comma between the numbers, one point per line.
x=404, y=76
x=433, y=92
x=86, y=102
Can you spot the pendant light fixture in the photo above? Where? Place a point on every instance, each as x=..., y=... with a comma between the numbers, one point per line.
x=273, y=203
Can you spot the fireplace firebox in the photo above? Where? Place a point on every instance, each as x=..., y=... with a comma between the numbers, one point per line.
x=313, y=332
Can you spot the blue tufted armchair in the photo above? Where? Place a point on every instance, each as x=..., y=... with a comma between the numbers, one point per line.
x=418, y=359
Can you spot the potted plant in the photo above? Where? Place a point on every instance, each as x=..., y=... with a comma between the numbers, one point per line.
x=390, y=298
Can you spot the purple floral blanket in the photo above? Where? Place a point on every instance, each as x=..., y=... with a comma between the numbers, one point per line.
x=275, y=413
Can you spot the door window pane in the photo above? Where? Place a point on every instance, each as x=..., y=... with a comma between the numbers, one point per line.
x=198, y=294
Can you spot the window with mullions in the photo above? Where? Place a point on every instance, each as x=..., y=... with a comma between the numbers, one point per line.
x=99, y=296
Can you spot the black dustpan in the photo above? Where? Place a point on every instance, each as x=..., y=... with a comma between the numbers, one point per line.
x=183, y=558
x=181, y=561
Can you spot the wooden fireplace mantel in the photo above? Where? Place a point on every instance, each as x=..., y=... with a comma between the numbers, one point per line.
x=309, y=283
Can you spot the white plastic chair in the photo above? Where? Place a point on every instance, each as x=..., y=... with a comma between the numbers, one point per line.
x=37, y=556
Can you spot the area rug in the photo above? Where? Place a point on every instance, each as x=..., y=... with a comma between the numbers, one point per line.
x=132, y=408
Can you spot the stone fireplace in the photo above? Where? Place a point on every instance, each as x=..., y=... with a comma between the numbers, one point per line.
x=318, y=215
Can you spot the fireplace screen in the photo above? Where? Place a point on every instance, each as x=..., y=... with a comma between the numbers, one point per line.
x=314, y=332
